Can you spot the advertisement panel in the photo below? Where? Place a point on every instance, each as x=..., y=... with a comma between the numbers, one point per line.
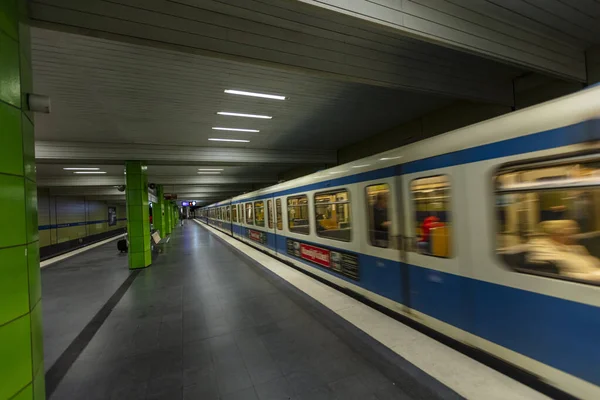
x=341, y=262
x=256, y=236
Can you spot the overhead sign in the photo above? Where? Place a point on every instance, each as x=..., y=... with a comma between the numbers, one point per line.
x=170, y=196
x=185, y=203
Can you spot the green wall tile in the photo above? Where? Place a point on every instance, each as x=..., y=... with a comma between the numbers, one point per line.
x=33, y=266
x=11, y=142
x=9, y=17
x=25, y=394
x=14, y=288
x=15, y=356
x=12, y=207
x=10, y=87
x=28, y=144
x=39, y=385
x=37, y=338
x=31, y=211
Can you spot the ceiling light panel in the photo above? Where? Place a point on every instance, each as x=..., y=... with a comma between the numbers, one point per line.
x=219, y=128
x=232, y=114
x=229, y=140
x=254, y=94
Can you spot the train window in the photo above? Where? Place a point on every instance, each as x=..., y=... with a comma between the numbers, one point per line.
x=332, y=212
x=234, y=213
x=259, y=213
x=270, y=212
x=432, y=215
x=279, y=216
x=379, y=222
x=548, y=218
x=249, y=215
x=228, y=213
x=297, y=208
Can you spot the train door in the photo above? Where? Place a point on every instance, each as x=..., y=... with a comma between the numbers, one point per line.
x=271, y=222
x=230, y=217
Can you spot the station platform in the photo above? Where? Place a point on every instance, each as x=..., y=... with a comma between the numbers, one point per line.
x=213, y=318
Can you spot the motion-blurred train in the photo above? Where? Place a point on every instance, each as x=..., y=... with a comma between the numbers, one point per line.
x=489, y=234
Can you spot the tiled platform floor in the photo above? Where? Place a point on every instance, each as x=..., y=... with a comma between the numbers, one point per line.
x=204, y=323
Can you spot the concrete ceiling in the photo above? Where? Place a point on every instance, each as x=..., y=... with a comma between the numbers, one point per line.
x=144, y=79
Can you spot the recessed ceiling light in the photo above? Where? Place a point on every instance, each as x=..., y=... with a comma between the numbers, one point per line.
x=390, y=158
x=218, y=128
x=89, y=172
x=253, y=94
x=229, y=140
x=81, y=169
x=210, y=169
x=208, y=172
x=231, y=114
x=361, y=166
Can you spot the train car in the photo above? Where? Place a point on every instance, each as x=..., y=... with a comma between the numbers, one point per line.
x=489, y=234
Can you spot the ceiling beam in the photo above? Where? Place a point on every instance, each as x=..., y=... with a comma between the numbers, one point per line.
x=49, y=151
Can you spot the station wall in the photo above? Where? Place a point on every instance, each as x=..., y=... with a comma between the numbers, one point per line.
x=68, y=222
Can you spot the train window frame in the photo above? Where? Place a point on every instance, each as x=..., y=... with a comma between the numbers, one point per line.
x=234, y=210
x=279, y=214
x=255, y=213
x=249, y=205
x=228, y=210
x=368, y=215
x=349, y=202
x=451, y=246
x=270, y=213
x=287, y=206
x=241, y=215
x=530, y=164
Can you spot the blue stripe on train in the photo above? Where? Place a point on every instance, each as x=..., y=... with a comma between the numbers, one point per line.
x=556, y=332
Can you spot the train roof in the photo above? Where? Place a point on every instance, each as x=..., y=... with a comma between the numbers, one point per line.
x=565, y=111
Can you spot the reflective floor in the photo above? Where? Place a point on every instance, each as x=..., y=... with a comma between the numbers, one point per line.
x=203, y=322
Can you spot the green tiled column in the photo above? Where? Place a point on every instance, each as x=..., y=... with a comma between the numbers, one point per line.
x=168, y=225
x=138, y=215
x=21, y=348
x=158, y=211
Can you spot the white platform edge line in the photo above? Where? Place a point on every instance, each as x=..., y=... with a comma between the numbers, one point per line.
x=464, y=375
x=70, y=254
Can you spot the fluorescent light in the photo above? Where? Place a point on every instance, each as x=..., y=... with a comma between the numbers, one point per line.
x=218, y=128
x=229, y=140
x=361, y=166
x=231, y=114
x=81, y=169
x=210, y=169
x=89, y=172
x=253, y=94
x=208, y=172
x=390, y=158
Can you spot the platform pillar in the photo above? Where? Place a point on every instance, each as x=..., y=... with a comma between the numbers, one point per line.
x=168, y=226
x=21, y=348
x=138, y=215
x=159, y=211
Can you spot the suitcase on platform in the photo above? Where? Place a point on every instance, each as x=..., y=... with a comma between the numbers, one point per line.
x=122, y=245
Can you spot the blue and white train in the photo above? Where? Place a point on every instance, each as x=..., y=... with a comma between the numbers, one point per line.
x=489, y=234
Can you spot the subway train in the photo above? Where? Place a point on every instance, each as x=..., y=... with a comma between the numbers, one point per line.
x=489, y=234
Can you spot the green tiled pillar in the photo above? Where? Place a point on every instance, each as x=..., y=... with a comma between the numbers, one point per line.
x=168, y=225
x=138, y=215
x=159, y=210
x=175, y=215
x=21, y=348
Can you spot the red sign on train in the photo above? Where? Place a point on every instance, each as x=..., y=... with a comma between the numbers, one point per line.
x=315, y=254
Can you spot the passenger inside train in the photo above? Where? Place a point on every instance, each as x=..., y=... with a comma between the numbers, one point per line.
x=548, y=220
x=431, y=196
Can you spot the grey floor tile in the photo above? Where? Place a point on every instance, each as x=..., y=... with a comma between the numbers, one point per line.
x=244, y=394
x=276, y=389
x=304, y=381
x=199, y=392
